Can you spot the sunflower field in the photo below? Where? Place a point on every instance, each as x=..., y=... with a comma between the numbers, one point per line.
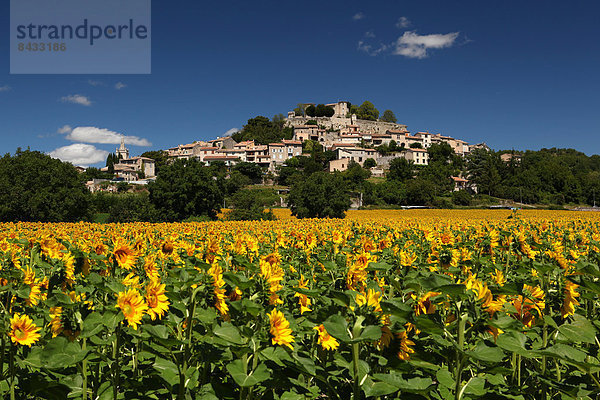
x=382, y=305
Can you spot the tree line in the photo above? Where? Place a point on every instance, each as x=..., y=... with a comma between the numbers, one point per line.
x=36, y=187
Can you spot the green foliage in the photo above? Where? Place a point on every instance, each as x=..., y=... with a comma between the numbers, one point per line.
x=323, y=111
x=299, y=110
x=462, y=198
x=400, y=169
x=392, y=192
x=252, y=171
x=416, y=145
x=355, y=175
x=185, y=188
x=367, y=111
x=420, y=192
x=128, y=207
x=160, y=159
x=37, y=187
x=320, y=195
x=111, y=160
x=311, y=111
x=369, y=163
x=263, y=131
x=249, y=205
x=94, y=173
x=388, y=116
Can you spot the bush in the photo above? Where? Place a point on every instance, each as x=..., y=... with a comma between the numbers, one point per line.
x=461, y=198
x=186, y=188
x=249, y=205
x=127, y=207
x=37, y=187
x=419, y=192
x=320, y=195
x=442, y=202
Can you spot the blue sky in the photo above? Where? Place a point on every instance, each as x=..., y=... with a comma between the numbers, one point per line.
x=513, y=74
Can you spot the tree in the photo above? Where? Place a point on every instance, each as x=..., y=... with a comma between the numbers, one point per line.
x=388, y=116
x=299, y=110
x=440, y=152
x=367, y=111
x=249, y=205
x=416, y=145
x=355, y=175
x=111, y=160
x=323, y=111
x=37, y=187
x=419, y=192
x=186, y=188
x=461, y=198
x=311, y=111
x=369, y=163
x=94, y=173
x=252, y=170
x=482, y=166
x=400, y=169
x=160, y=158
x=320, y=195
x=263, y=131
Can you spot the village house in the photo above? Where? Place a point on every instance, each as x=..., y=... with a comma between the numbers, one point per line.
x=417, y=156
x=225, y=142
x=508, y=157
x=143, y=165
x=229, y=161
x=131, y=169
x=186, y=151
x=356, y=154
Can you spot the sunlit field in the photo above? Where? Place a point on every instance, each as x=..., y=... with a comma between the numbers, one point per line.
x=387, y=304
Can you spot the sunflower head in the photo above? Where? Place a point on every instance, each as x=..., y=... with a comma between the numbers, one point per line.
x=23, y=331
x=133, y=306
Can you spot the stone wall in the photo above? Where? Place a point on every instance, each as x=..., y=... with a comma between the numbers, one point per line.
x=364, y=126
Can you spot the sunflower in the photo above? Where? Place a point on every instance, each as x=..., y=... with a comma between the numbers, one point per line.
x=280, y=329
x=23, y=330
x=158, y=304
x=56, y=325
x=570, y=301
x=133, y=306
x=326, y=341
x=303, y=300
x=405, y=350
x=124, y=255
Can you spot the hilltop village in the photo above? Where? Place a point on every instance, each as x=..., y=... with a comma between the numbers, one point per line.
x=351, y=139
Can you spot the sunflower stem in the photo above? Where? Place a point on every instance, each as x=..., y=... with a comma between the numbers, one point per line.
x=355, y=351
x=116, y=363
x=188, y=344
x=12, y=372
x=461, y=340
x=84, y=373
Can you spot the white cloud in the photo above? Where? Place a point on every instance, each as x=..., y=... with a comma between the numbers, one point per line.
x=90, y=134
x=120, y=85
x=64, y=129
x=369, y=34
x=358, y=15
x=412, y=45
x=77, y=99
x=231, y=131
x=403, y=22
x=5, y=88
x=370, y=50
x=79, y=154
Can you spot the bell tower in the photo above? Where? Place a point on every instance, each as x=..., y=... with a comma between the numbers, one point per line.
x=122, y=152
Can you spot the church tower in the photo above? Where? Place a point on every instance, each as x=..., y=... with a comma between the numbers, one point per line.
x=122, y=152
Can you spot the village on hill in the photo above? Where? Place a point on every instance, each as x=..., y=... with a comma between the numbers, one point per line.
x=351, y=139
